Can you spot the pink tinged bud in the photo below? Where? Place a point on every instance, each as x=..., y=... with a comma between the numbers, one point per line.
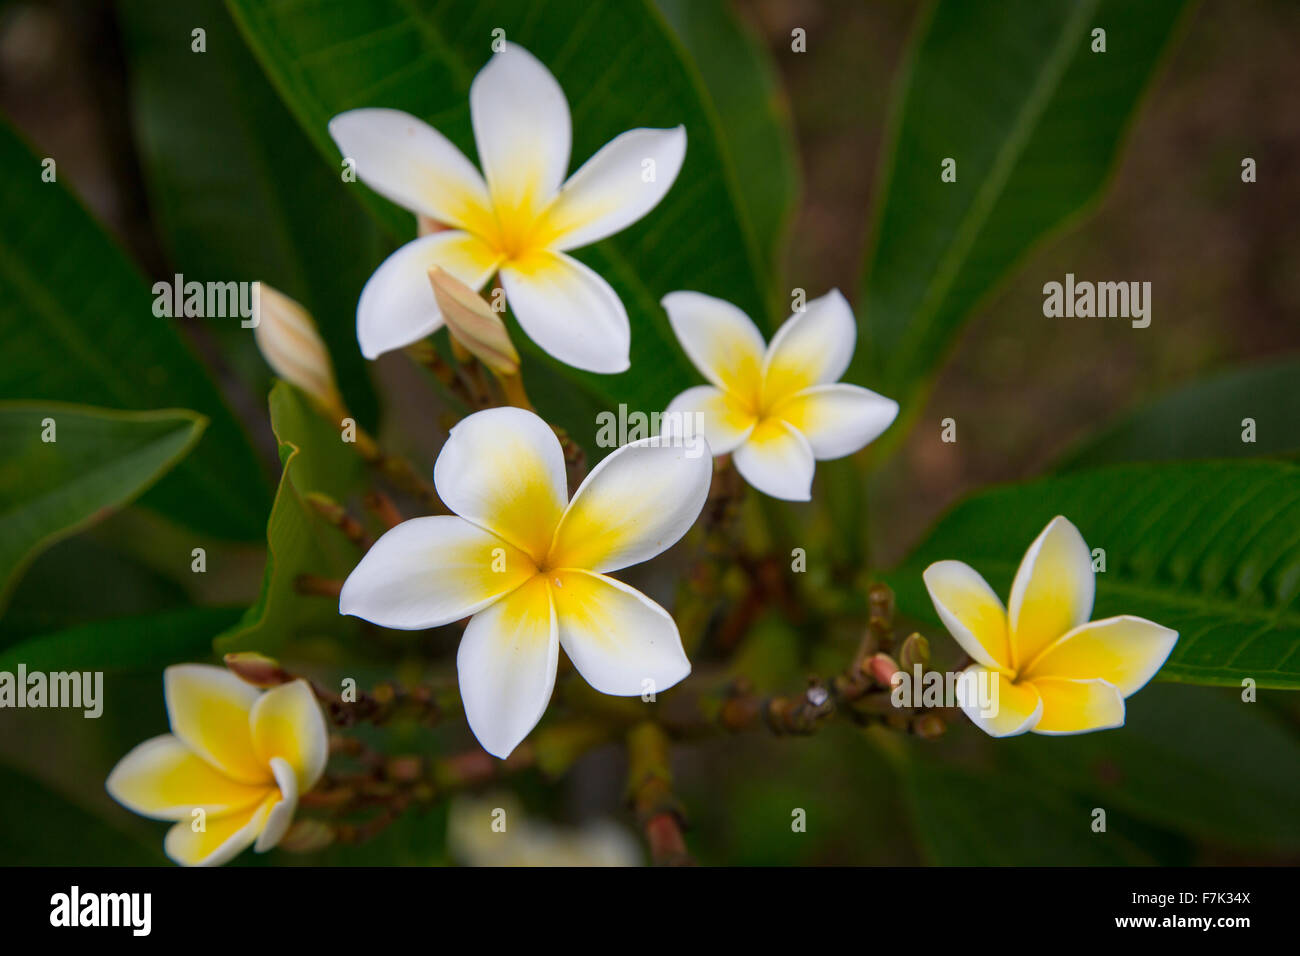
x=473, y=324
x=882, y=669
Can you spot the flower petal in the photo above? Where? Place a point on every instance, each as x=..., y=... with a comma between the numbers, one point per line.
x=506, y=667
x=431, y=571
x=711, y=412
x=406, y=160
x=397, y=306
x=617, y=638
x=287, y=725
x=777, y=460
x=522, y=128
x=1123, y=651
x=1077, y=706
x=221, y=839
x=813, y=347
x=838, y=419
x=995, y=705
x=163, y=779
x=611, y=191
x=503, y=469
x=209, y=709
x=281, y=815
x=569, y=311
x=720, y=340
x=971, y=612
x=634, y=505
x=1053, y=591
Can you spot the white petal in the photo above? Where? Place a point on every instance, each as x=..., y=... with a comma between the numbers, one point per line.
x=720, y=340
x=813, y=347
x=634, y=505
x=711, y=412
x=971, y=611
x=1053, y=591
x=281, y=815
x=522, y=128
x=506, y=667
x=620, y=641
x=404, y=159
x=569, y=311
x=625, y=180
x=431, y=571
x=777, y=460
x=397, y=305
x=503, y=469
x=838, y=419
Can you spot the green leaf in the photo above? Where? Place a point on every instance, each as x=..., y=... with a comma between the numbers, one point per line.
x=43, y=828
x=67, y=466
x=147, y=641
x=753, y=115
x=1196, y=760
x=298, y=540
x=238, y=190
x=1205, y=420
x=620, y=69
x=1034, y=119
x=1210, y=549
x=78, y=324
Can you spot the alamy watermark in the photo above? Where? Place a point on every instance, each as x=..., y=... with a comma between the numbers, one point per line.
x=967, y=689
x=673, y=429
x=208, y=300
x=1103, y=300
x=82, y=690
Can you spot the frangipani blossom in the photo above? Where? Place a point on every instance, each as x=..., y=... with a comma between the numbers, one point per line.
x=1056, y=672
x=529, y=567
x=780, y=408
x=517, y=219
x=239, y=755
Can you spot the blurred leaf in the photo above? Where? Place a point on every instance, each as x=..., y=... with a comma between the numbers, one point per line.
x=753, y=116
x=299, y=541
x=100, y=460
x=238, y=191
x=44, y=829
x=619, y=68
x=1208, y=548
x=78, y=324
x=967, y=818
x=1204, y=420
x=140, y=642
x=1198, y=760
x=1034, y=120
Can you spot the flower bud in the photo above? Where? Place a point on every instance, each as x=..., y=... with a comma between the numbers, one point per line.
x=307, y=836
x=915, y=650
x=473, y=323
x=882, y=668
x=257, y=669
x=288, y=340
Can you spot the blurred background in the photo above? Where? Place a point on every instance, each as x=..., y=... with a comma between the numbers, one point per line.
x=1218, y=786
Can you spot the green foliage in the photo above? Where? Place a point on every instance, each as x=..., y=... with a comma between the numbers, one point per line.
x=338, y=55
x=97, y=461
x=1034, y=119
x=239, y=191
x=78, y=324
x=1209, y=549
x=315, y=459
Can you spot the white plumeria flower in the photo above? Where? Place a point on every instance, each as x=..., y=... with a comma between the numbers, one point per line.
x=530, y=567
x=516, y=220
x=1056, y=673
x=232, y=769
x=474, y=838
x=780, y=408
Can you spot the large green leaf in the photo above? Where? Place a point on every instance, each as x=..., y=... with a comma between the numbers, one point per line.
x=78, y=325
x=752, y=113
x=68, y=465
x=299, y=541
x=1205, y=420
x=1211, y=549
x=1034, y=119
x=619, y=67
x=137, y=642
x=238, y=190
x=1197, y=760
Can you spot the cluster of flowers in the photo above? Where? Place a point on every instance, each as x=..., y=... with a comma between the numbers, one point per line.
x=529, y=566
